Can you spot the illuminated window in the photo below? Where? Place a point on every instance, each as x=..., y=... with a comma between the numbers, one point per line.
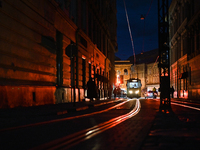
x=125, y=72
x=83, y=72
x=118, y=72
x=90, y=70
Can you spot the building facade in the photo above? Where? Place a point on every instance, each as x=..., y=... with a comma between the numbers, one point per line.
x=50, y=48
x=146, y=69
x=152, y=76
x=123, y=73
x=184, y=43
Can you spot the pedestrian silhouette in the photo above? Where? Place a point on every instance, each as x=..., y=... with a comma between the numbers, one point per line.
x=115, y=92
x=110, y=91
x=154, y=89
x=172, y=91
x=91, y=89
x=118, y=92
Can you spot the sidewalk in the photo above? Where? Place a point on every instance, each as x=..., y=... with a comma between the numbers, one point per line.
x=169, y=130
x=177, y=129
x=24, y=115
x=187, y=100
x=58, y=109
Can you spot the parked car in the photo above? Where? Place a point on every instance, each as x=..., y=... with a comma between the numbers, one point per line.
x=151, y=94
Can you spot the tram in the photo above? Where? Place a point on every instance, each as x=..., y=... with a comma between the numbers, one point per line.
x=134, y=88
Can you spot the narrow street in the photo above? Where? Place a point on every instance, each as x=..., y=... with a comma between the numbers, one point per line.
x=121, y=124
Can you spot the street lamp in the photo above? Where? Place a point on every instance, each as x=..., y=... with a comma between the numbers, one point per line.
x=142, y=17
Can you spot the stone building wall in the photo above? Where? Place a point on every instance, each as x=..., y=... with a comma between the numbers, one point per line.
x=147, y=73
x=184, y=48
x=35, y=66
x=123, y=68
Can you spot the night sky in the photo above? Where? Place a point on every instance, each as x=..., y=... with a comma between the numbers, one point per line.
x=136, y=8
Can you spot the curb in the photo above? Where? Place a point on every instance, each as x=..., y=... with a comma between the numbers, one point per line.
x=84, y=107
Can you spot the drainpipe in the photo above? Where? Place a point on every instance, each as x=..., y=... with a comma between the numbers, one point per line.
x=177, y=69
x=77, y=66
x=105, y=74
x=72, y=76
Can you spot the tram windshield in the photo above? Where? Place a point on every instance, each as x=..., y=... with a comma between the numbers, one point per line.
x=133, y=85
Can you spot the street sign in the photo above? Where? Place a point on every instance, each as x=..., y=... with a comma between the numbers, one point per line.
x=71, y=50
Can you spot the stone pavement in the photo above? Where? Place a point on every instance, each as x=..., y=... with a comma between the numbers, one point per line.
x=175, y=130
x=26, y=115
x=168, y=130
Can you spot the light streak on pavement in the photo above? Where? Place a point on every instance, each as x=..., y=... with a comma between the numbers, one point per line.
x=64, y=119
x=186, y=106
x=73, y=139
x=183, y=105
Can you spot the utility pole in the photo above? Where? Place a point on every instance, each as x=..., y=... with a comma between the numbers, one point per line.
x=164, y=63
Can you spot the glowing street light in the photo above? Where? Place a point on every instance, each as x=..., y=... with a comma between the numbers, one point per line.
x=142, y=17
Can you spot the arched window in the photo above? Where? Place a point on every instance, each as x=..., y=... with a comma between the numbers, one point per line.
x=125, y=72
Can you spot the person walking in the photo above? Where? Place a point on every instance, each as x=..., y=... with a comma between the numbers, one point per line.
x=154, y=93
x=118, y=92
x=154, y=89
x=91, y=89
x=172, y=92
x=115, y=92
x=110, y=91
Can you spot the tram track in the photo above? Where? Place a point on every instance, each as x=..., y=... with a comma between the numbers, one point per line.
x=185, y=102
x=73, y=139
x=66, y=118
x=184, y=105
x=195, y=106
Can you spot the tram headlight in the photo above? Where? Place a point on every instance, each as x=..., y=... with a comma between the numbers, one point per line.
x=136, y=92
x=130, y=92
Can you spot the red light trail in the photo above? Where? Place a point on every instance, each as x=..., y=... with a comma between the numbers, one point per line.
x=73, y=139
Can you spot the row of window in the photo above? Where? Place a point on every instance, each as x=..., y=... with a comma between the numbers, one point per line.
x=85, y=18
x=125, y=72
x=152, y=80
x=93, y=73
x=187, y=43
x=149, y=71
x=181, y=12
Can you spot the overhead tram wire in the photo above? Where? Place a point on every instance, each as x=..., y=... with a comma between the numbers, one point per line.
x=149, y=8
x=143, y=37
x=144, y=32
x=143, y=18
x=130, y=32
x=155, y=61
